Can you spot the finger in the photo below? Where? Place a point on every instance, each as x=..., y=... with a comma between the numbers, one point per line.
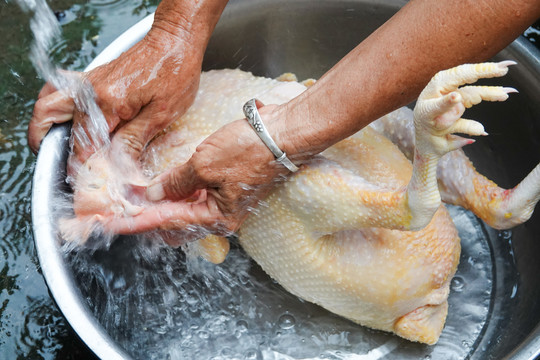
x=117, y=99
x=176, y=184
x=83, y=145
x=133, y=136
x=47, y=89
x=167, y=216
x=54, y=108
x=90, y=134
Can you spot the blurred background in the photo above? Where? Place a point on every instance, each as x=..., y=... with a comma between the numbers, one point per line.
x=31, y=326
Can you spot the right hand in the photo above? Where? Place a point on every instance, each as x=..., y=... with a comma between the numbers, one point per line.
x=214, y=191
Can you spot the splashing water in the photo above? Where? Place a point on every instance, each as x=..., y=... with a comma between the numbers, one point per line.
x=47, y=31
x=159, y=303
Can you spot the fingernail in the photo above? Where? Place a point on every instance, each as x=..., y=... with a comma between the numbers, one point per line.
x=155, y=192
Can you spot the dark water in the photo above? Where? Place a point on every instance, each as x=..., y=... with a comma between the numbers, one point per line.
x=31, y=327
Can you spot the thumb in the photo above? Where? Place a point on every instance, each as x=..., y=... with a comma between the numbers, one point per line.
x=176, y=184
x=54, y=108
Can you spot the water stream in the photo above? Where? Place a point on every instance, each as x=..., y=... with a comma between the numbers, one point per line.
x=47, y=32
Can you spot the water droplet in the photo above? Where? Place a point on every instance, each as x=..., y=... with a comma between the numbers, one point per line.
x=242, y=325
x=162, y=330
x=227, y=351
x=457, y=284
x=514, y=291
x=466, y=344
x=243, y=279
x=191, y=299
x=286, y=321
x=203, y=334
x=251, y=355
x=427, y=357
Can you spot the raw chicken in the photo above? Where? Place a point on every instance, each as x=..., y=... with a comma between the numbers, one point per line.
x=358, y=230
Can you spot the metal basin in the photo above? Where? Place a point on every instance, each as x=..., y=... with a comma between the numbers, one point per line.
x=138, y=301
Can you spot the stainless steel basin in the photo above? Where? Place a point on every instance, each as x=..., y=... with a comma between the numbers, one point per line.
x=136, y=301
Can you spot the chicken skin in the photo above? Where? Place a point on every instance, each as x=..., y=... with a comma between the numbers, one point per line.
x=360, y=229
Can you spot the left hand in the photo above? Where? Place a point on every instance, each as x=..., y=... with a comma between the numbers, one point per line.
x=140, y=93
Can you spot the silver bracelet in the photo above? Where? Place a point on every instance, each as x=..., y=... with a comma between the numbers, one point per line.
x=254, y=119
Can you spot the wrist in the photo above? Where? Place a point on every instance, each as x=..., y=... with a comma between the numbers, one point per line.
x=190, y=23
x=289, y=135
x=166, y=45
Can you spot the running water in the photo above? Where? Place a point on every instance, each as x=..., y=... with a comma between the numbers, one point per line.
x=47, y=32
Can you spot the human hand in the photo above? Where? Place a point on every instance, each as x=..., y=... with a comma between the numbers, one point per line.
x=143, y=90
x=139, y=93
x=216, y=189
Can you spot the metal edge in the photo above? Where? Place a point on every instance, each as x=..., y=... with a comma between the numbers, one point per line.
x=122, y=43
x=58, y=277
x=521, y=48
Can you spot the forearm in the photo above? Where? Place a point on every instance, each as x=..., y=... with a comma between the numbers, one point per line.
x=188, y=21
x=390, y=68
